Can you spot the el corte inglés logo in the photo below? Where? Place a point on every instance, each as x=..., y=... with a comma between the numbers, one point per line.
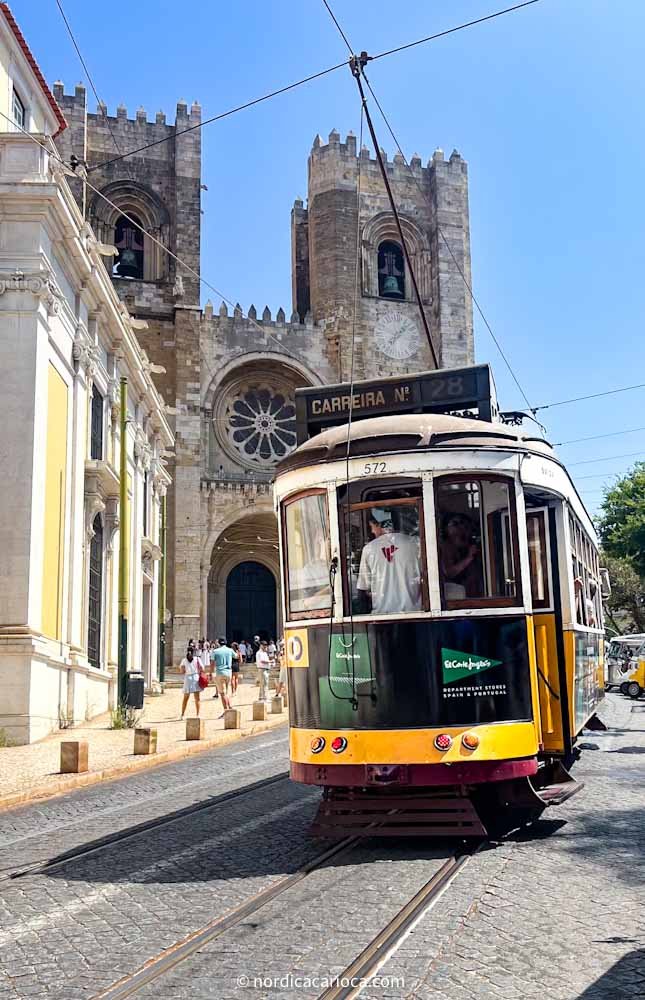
x=457, y=665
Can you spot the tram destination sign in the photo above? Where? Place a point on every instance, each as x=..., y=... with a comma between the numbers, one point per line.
x=450, y=390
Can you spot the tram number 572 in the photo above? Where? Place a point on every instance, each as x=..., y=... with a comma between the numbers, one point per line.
x=373, y=468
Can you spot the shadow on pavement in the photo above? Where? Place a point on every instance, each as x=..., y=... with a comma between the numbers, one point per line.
x=624, y=981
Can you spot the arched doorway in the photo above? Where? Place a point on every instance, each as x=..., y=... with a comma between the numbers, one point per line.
x=250, y=602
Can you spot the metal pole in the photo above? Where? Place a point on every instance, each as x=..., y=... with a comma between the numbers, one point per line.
x=162, y=594
x=356, y=65
x=124, y=545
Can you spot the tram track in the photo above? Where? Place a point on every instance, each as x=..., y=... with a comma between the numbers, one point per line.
x=93, y=847
x=170, y=958
x=353, y=978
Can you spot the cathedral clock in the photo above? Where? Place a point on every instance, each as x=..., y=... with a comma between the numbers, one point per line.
x=397, y=336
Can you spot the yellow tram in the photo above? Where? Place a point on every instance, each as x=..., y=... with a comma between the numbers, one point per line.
x=442, y=607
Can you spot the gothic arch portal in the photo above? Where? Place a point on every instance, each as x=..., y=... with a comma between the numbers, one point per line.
x=382, y=229
x=143, y=206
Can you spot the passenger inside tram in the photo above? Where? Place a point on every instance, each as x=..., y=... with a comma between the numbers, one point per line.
x=389, y=575
x=476, y=541
x=461, y=558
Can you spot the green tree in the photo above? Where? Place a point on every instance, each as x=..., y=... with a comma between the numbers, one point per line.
x=622, y=519
x=625, y=608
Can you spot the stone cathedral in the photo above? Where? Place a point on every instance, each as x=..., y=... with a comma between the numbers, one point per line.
x=229, y=375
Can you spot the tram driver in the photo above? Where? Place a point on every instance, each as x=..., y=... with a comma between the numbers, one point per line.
x=389, y=575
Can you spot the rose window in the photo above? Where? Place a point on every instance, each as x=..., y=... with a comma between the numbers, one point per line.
x=261, y=424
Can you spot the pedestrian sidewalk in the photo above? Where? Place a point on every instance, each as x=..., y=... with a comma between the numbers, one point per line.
x=32, y=772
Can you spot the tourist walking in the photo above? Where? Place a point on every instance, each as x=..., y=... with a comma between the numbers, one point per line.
x=263, y=664
x=223, y=671
x=189, y=667
x=281, y=687
x=237, y=663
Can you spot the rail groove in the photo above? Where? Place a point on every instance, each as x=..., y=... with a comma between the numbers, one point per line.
x=84, y=850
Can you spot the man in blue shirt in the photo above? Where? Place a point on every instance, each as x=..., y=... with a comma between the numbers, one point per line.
x=223, y=659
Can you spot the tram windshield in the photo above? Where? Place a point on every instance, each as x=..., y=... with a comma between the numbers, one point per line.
x=383, y=554
x=477, y=542
x=307, y=551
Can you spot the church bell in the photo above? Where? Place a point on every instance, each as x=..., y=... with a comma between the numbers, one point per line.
x=127, y=264
x=391, y=286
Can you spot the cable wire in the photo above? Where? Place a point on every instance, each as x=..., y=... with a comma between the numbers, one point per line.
x=596, y=437
x=223, y=114
x=449, y=248
x=593, y=395
x=451, y=31
x=607, y=458
x=89, y=75
x=314, y=76
x=153, y=239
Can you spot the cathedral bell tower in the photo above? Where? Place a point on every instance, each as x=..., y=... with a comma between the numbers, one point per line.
x=432, y=202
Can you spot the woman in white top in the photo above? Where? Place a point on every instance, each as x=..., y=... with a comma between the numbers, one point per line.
x=189, y=667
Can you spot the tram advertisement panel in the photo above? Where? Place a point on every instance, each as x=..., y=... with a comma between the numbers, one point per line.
x=588, y=692
x=410, y=674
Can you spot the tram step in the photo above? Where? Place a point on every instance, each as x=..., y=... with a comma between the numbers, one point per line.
x=555, y=795
x=397, y=816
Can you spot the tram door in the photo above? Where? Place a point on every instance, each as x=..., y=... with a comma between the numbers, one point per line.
x=545, y=595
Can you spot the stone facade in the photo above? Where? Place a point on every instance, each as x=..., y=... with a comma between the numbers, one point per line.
x=229, y=376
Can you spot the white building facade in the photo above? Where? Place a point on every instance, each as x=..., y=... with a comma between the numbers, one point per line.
x=67, y=344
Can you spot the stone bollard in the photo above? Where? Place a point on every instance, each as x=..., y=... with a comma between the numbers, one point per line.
x=277, y=705
x=195, y=729
x=145, y=741
x=232, y=718
x=259, y=711
x=73, y=757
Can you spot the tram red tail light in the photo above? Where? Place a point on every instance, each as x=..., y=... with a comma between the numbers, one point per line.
x=338, y=744
x=317, y=744
x=470, y=741
x=443, y=741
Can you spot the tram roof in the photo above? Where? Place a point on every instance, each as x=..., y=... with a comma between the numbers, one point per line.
x=409, y=432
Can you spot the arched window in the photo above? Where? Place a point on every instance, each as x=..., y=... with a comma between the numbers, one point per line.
x=391, y=271
x=129, y=242
x=95, y=604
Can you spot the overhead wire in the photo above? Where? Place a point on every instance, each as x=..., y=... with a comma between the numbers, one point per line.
x=308, y=79
x=89, y=77
x=363, y=59
x=50, y=151
x=593, y=395
x=596, y=437
x=450, y=250
x=609, y=458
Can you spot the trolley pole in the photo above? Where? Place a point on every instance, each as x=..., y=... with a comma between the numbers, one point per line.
x=124, y=547
x=162, y=593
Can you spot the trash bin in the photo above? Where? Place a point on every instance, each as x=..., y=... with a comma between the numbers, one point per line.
x=134, y=690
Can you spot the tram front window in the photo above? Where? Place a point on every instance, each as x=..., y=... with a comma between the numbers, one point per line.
x=384, y=561
x=307, y=556
x=477, y=543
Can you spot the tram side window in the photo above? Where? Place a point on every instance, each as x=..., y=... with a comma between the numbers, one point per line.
x=586, y=576
x=307, y=556
x=384, y=566
x=477, y=543
x=538, y=565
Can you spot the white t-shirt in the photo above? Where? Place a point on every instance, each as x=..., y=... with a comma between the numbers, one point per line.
x=190, y=666
x=390, y=571
x=262, y=659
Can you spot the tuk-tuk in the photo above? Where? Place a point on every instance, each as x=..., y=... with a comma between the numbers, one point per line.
x=622, y=661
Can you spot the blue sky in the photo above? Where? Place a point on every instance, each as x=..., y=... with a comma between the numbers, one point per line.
x=545, y=104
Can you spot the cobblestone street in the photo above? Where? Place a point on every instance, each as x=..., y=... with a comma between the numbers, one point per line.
x=554, y=912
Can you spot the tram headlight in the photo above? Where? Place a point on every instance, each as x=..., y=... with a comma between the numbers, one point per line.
x=470, y=741
x=338, y=744
x=443, y=741
x=317, y=744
